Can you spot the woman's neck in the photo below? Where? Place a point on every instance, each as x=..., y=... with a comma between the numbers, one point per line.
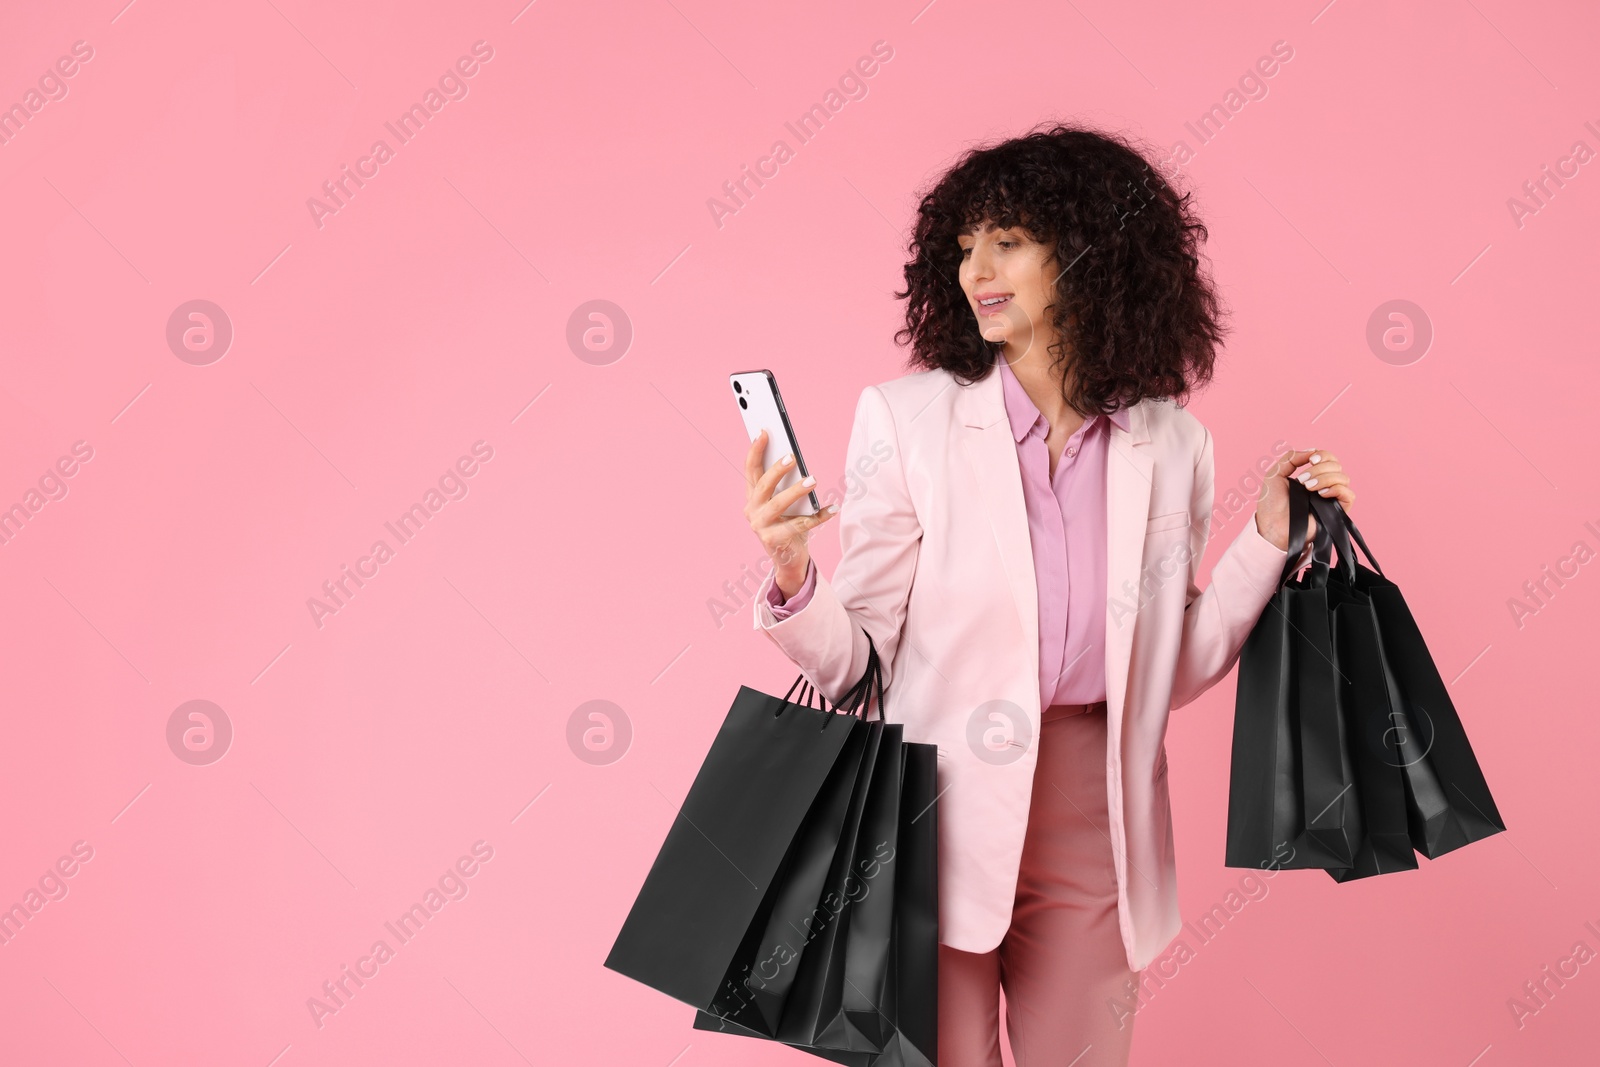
x=1042, y=381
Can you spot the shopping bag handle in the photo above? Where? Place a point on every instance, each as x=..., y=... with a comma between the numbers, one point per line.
x=806, y=692
x=1331, y=514
x=871, y=681
x=857, y=699
x=1300, y=504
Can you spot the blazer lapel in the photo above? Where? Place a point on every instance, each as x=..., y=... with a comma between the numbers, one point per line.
x=1128, y=467
x=986, y=439
x=992, y=452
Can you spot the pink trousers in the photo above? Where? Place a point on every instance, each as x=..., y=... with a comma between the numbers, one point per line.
x=1061, y=964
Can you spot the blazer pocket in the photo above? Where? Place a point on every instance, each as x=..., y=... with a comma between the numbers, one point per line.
x=1169, y=521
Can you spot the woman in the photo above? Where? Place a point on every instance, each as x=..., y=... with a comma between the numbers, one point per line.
x=1024, y=560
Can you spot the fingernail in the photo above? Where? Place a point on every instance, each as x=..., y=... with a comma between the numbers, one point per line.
x=1316, y=457
x=788, y=459
x=1301, y=477
x=1311, y=484
x=808, y=481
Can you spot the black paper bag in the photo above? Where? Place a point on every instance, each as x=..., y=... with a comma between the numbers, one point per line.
x=721, y=857
x=1291, y=782
x=1448, y=800
x=866, y=990
x=1383, y=836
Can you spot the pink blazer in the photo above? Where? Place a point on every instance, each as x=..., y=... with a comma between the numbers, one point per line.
x=937, y=565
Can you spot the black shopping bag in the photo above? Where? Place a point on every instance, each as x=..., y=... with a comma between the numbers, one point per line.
x=911, y=998
x=1291, y=801
x=763, y=972
x=713, y=878
x=1382, y=833
x=913, y=992
x=861, y=1021
x=867, y=984
x=814, y=1015
x=1448, y=803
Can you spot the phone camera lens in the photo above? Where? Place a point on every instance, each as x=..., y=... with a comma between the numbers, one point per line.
x=744, y=403
x=738, y=388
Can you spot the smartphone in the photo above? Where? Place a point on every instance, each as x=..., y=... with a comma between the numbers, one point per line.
x=761, y=407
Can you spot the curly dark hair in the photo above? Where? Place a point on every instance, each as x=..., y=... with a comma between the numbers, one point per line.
x=1133, y=310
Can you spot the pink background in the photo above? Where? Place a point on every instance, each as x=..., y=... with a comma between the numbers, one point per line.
x=435, y=708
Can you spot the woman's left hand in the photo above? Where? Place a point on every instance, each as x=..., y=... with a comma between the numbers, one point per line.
x=1322, y=474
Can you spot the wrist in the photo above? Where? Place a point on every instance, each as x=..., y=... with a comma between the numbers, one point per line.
x=1278, y=539
x=791, y=577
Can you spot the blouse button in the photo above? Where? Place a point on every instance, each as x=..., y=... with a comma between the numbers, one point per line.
x=1073, y=451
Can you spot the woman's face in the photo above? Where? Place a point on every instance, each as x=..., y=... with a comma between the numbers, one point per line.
x=1009, y=280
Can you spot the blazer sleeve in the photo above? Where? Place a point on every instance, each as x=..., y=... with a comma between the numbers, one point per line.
x=1217, y=620
x=880, y=536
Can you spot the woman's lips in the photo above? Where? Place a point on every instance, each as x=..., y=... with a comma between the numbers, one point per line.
x=991, y=309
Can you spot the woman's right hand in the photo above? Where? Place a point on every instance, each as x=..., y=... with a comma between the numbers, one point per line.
x=783, y=536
